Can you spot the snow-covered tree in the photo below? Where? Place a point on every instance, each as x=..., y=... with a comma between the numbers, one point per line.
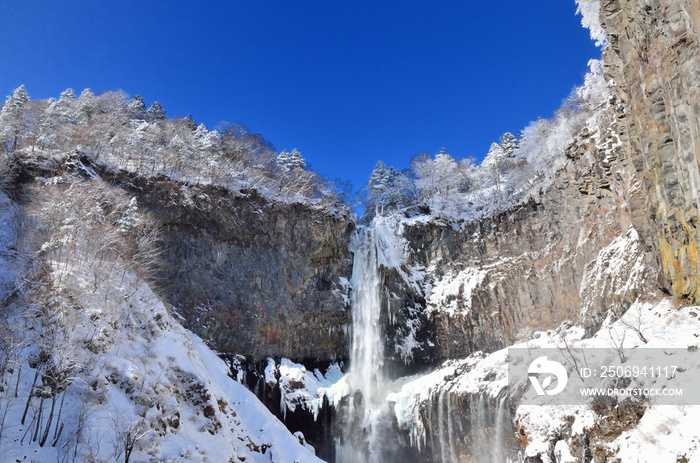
x=200, y=132
x=493, y=166
x=381, y=189
x=508, y=144
x=590, y=19
x=64, y=110
x=13, y=118
x=88, y=106
x=136, y=108
x=437, y=176
x=67, y=95
x=442, y=182
x=156, y=112
x=289, y=161
x=190, y=123
x=130, y=219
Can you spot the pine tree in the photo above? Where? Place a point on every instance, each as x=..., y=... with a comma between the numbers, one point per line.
x=200, y=132
x=156, y=112
x=67, y=95
x=508, y=144
x=136, y=108
x=190, y=123
x=64, y=110
x=287, y=161
x=13, y=119
x=382, y=180
x=88, y=106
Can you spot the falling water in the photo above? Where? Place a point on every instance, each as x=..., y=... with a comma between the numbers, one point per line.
x=500, y=453
x=366, y=353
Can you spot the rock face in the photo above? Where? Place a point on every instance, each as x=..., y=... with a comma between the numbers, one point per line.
x=493, y=281
x=252, y=277
x=653, y=56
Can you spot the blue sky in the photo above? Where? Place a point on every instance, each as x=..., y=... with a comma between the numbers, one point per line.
x=346, y=83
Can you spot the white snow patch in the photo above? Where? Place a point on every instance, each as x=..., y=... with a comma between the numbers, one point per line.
x=453, y=292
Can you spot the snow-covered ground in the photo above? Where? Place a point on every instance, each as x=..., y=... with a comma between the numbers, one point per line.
x=664, y=433
x=97, y=366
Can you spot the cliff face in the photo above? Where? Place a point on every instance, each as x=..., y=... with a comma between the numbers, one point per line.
x=249, y=275
x=490, y=282
x=653, y=57
x=253, y=277
x=495, y=280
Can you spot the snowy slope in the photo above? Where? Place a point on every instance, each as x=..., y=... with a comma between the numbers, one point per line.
x=100, y=367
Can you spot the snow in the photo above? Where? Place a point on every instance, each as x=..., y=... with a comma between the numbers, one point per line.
x=408, y=343
x=300, y=387
x=590, y=19
x=619, y=269
x=127, y=365
x=452, y=293
x=664, y=432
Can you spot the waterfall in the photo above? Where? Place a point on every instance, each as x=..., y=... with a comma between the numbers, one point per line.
x=500, y=453
x=365, y=375
x=481, y=432
x=367, y=351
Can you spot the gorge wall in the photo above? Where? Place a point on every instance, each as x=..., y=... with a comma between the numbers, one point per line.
x=653, y=56
x=616, y=229
x=490, y=282
x=254, y=278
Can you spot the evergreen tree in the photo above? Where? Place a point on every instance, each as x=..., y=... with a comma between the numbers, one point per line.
x=67, y=95
x=13, y=119
x=156, y=112
x=380, y=188
x=287, y=161
x=136, y=108
x=508, y=144
x=88, y=106
x=200, y=132
x=189, y=122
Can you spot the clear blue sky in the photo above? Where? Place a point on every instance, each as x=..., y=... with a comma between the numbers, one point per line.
x=346, y=83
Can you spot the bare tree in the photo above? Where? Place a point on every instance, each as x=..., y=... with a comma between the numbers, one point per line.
x=127, y=437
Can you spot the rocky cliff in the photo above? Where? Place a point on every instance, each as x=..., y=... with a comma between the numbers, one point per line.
x=253, y=277
x=489, y=282
x=653, y=58
x=494, y=280
x=249, y=275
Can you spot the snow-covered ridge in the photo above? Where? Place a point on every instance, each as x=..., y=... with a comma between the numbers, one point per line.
x=120, y=134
